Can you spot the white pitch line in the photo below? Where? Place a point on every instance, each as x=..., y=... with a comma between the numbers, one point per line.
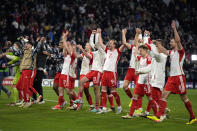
x=124, y=110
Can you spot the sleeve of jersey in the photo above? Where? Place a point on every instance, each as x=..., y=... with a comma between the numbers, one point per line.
x=13, y=59
x=139, y=57
x=91, y=55
x=106, y=49
x=149, y=60
x=119, y=53
x=131, y=47
x=146, y=69
x=148, y=45
x=182, y=51
x=72, y=55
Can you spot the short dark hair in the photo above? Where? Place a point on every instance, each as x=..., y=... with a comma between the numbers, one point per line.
x=115, y=43
x=143, y=47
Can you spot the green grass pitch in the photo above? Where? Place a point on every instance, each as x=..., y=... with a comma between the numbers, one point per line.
x=42, y=118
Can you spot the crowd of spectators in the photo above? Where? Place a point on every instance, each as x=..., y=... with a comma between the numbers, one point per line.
x=50, y=18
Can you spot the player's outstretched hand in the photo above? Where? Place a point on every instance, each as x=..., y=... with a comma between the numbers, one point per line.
x=124, y=31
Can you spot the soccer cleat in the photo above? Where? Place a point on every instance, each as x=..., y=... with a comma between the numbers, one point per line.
x=119, y=110
x=94, y=110
x=63, y=104
x=39, y=99
x=57, y=107
x=154, y=118
x=22, y=104
x=138, y=112
x=77, y=101
x=127, y=117
x=163, y=117
x=130, y=103
x=72, y=108
x=41, y=102
x=12, y=104
x=167, y=111
x=191, y=121
x=102, y=111
x=28, y=104
x=145, y=114
x=19, y=103
x=91, y=107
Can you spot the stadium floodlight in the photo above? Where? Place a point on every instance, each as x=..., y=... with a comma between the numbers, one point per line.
x=194, y=57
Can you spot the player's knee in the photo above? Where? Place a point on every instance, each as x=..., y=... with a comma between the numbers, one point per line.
x=184, y=98
x=125, y=86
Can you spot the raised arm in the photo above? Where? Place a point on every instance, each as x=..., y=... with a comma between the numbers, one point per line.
x=124, y=41
x=154, y=52
x=65, y=46
x=91, y=41
x=162, y=49
x=84, y=52
x=100, y=40
x=138, y=32
x=176, y=35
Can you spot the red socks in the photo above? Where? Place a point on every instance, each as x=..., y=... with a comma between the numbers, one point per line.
x=162, y=107
x=154, y=106
x=80, y=95
x=148, y=106
x=60, y=100
x=139, y=105
x=188, y=105
x=133, y=107
x=117, y=97
x=128, y=92
x=104, y=98
x=111, y=100
x=89, y=98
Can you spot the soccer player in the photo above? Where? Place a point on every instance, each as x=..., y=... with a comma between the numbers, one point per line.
x=43, y=51
x=142, y=86
x=14, y=55
x=68, y=75
x=85, y=69
x=26, y=72
x=96, y=71
x=157, y=69
x=131, y=76
x=109, y=78
x=176, y=83
x=58, y=57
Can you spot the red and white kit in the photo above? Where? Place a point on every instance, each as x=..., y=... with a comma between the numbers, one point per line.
x=176, y=81
x=157, y=69
x=109, y=78
x=97, y=66
x=130, y=76
x=142, y=86
x=85, y=68
x=68, y=74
